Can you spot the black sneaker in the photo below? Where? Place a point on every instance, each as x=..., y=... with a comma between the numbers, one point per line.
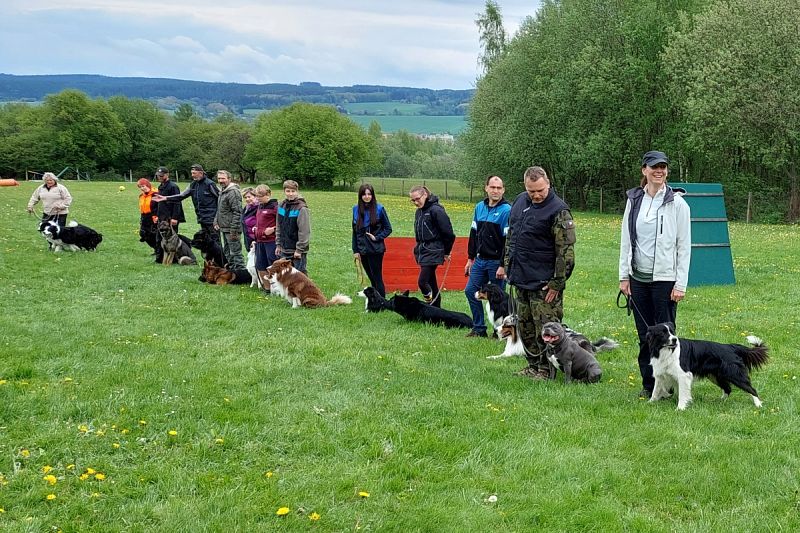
x=474, y=333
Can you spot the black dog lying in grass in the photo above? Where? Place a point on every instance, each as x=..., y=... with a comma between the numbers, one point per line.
x=414, y=309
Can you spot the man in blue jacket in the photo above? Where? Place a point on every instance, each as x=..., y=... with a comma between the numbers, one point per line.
x=487, y=239
x=205, y=197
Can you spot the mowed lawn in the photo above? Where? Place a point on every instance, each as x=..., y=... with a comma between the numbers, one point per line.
x=135, y=398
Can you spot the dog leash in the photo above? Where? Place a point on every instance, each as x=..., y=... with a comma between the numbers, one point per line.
x=359, y=270
x=631, y=306
x=441, y=285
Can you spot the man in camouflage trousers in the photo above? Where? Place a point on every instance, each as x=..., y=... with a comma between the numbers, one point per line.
x=539, y=258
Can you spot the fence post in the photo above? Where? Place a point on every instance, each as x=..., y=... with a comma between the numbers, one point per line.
x=402, y=186
x=445, y=190
x=601, y=199
x=749, y=206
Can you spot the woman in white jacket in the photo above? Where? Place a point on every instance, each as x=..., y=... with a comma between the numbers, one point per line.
x=55, y=199
x=654, y=254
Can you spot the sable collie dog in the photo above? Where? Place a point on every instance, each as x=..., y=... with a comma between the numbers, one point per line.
x=215, y=275
x=678, y=362
x=73, y=237
x=298, y=288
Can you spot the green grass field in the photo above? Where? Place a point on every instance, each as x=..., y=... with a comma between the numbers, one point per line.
x=429, y=124
x=384, y=108
x=135, y=398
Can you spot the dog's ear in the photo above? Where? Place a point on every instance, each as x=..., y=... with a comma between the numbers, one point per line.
x=671, y=327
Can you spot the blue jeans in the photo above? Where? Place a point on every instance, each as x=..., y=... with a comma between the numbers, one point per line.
x=482, y=271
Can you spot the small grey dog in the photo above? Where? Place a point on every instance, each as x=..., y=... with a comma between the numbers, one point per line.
x=565, y=354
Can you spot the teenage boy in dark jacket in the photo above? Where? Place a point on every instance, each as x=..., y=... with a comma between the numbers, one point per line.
x=293, y=229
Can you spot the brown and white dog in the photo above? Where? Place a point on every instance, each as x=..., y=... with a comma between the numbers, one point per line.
x=298, y=288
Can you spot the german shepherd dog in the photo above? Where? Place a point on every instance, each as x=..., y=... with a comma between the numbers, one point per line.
x=174, y=246
x=216, y=275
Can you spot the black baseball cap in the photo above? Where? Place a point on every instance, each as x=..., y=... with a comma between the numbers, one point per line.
x=653, y=158
x=160, y=171
x=197, y=167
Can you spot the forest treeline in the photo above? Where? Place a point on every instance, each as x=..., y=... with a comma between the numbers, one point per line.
x=118, y=137
x=585, y=87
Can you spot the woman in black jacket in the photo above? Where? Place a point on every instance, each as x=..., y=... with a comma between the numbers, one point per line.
x=434, y=234
x=370, y=227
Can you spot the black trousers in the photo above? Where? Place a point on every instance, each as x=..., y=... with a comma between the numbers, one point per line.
x=373, y=267
x=651, y=305
x=428, y=285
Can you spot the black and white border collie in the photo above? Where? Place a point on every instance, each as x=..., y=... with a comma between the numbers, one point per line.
x=72, y=237
x=678, y=362
x=374, y=302
x=514, y=348
x=496, y=304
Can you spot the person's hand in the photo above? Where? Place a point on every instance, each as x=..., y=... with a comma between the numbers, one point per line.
x=173, y=221
x=297, y=255
x=501, y=273
x=216, y=227
x=677, y=295
x=371, y=236
x=156, y=198
x=447, y=258
x=551, y=295
x=625, y=287
x=468, y=267
x=357, y=256
x=278, y=251
x=269, y=231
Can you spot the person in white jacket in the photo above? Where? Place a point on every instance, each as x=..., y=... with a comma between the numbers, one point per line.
x=654, y=254
x=55, y=199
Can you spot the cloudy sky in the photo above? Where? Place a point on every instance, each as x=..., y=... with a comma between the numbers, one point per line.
x=415, y=43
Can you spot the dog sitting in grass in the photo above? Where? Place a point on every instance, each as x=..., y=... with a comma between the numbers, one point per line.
x=565, y=354
x=298, y=288
x=215, y=275
x=176, y=249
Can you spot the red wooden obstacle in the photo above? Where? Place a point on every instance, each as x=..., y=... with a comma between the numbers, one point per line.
x=400, y=270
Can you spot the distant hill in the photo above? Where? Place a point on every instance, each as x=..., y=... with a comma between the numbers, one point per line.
x=211, y=98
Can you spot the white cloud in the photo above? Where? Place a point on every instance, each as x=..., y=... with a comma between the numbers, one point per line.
x=413, y=43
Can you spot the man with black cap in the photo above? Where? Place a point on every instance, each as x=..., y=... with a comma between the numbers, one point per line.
x=205, y=196
x=654, y=253
x=172, y=211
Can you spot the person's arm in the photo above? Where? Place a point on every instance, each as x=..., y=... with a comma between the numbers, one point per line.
x=446, y=233
x=66, y=198
x=564, y=236
x=624, y=252
x=34, y=199
x=683, y=245
x=303, y=231
x=386, y=226
x=236, y=209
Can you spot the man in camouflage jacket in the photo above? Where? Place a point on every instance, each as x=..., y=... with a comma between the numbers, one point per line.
x=538, y=260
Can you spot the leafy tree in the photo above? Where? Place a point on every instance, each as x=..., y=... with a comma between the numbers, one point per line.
x=81, y=133
x=185, y=113
x=146, y=135
x=492, y=35
x=735, y=79
x=21, y=136
x=312, y=144
x=230, y=138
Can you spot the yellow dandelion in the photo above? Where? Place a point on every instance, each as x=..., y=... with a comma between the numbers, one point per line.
x=95, y=495
x=25, y=453
x=283, y=511
x=227, y=400
x=67, y=379
x=2, y=510
x=364, y=494
x=99, y=476
x=142, y=422
x=172, y=433
x=90, y=471
x=70, y=466
x=3, y=381
x=125, y=431
x=50, y=478
x=219, y=441
x=50, y=497
x=314, y=516
x=115, y=445
x=46, y=469
x=100, y=432
x=83, y=428
x=83, y=477
x=269, y=474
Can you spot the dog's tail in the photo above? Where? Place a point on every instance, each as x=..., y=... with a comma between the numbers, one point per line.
x=604, y=344
x=339, y=299
x=187, y=260
x=72, y=224
x=755, y=357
